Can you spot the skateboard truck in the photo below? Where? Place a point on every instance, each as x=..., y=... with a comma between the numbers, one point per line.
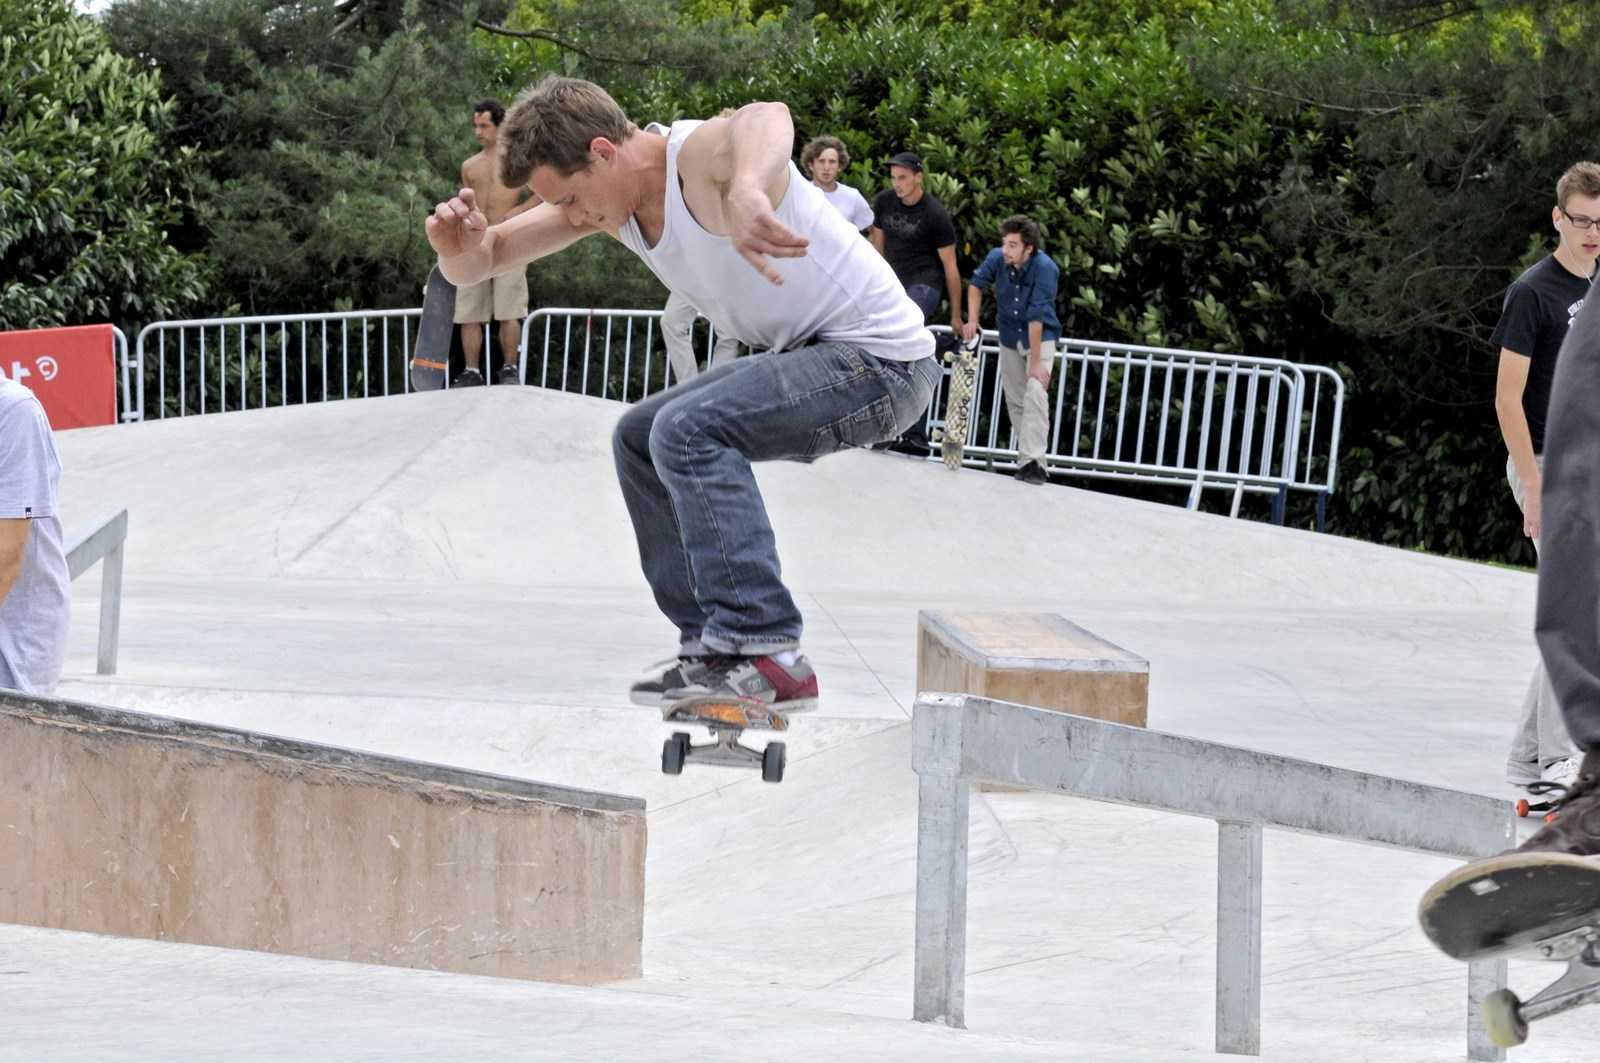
x=1526, y=808
x=1506, y=1017
x=727, y=720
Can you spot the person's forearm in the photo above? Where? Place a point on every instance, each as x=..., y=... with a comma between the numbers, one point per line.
x=13, y=544
x=761, y=136
x=974, y=303
x=1035, y=346
x=470, y=267
x=1519, y=439
x=952, y=284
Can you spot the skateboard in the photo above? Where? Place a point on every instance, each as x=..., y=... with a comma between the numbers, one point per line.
x=430, y=361
x=1536, y=905
x=952, y=438
x=727, y=719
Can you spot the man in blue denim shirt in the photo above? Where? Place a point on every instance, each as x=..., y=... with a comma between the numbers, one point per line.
x=1024, y=281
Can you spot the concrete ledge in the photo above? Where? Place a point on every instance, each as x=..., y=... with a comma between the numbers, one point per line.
x=145, y=826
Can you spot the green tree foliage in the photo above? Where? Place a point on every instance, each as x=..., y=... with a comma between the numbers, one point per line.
x=326, y=144
x=1452, y=122
x=87, y=183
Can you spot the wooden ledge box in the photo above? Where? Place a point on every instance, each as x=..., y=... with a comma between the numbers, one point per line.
x=1037, y=659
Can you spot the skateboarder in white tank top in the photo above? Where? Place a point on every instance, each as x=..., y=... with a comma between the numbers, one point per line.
x=720, y=214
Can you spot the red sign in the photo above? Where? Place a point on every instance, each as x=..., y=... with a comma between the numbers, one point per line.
x=73, y=371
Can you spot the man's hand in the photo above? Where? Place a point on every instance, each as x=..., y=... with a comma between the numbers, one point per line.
x=456, y=226
x=1041, y=373
x=955, y=324
x=756, y=232
x=969, y=330
x=1530, y=507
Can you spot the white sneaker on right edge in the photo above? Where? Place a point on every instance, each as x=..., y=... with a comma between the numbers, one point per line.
x=1563, y=771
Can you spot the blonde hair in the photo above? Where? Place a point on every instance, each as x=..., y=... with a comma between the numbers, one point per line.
x=1581, y=179
x=552, y=124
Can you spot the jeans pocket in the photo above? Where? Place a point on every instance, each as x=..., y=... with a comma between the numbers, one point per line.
x=872, y=423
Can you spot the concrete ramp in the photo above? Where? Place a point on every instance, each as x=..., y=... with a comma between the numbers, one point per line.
x=150, y=827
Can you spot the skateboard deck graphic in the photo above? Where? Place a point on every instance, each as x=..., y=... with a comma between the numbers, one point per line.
x=430, y=361
x=1535, y=905
x=727, y=718
x=963, y=360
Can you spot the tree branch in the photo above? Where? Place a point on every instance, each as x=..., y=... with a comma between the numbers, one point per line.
x=560, y=42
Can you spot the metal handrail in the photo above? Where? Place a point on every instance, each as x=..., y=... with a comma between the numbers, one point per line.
x=103, y=540
x=958, y=740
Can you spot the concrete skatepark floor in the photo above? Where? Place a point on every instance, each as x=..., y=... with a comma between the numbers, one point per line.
x=452, y=577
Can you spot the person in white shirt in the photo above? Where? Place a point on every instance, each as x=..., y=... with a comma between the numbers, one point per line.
x=824, y=159
x=35, y=590
x=720, y=214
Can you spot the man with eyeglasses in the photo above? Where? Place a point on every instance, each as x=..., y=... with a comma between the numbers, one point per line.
x=1539, y=307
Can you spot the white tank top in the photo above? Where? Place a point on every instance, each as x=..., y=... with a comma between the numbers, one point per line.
x=841, y=289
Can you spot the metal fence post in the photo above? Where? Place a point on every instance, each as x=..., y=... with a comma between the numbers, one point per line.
x=1483, y=978
x=1239, y=938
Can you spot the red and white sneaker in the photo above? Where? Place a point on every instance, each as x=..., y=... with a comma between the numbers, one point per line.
x=786, y=688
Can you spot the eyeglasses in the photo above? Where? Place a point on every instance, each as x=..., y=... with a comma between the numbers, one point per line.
x=1579, y=221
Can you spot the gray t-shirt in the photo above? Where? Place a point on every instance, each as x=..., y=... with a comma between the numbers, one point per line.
x=33, y=616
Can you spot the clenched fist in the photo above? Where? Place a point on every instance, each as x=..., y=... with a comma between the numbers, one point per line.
x=456, y=226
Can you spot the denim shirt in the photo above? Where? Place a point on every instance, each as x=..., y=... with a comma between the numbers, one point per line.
x=1022, y=295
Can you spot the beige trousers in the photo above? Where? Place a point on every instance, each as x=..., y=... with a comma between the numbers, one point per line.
x=1026, y=400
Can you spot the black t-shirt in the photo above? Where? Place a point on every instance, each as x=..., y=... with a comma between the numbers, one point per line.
x=912, y=237
x=1539, y=307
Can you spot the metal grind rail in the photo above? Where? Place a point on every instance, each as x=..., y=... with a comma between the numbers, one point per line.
x=959, y=740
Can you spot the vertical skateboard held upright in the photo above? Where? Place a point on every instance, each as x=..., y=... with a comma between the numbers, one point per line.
x=430, y=361
x=963, y=361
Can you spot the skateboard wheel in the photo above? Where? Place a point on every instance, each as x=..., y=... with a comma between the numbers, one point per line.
x=772, y=761
x=1502, y=1018
x=673, y=752
x=1522, y=808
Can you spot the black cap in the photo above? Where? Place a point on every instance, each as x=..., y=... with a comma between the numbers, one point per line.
x=909, y=159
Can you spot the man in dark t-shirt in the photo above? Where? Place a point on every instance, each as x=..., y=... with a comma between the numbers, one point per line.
x=914, y=232
x=1539, y=307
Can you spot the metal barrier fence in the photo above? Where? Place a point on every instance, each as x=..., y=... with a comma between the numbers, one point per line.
x=1175, y=417
x=211, y=365
x=1118, y=411
x=103, y=541
x=598, y=367
x=1190, y=419
x=958, y=740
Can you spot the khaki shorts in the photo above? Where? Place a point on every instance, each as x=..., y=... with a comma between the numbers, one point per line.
x=508, y=299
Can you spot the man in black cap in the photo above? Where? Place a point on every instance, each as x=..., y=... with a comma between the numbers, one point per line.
x=914, y=232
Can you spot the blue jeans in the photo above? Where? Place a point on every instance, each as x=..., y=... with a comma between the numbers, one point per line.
x=926, y=297
x=683, y=457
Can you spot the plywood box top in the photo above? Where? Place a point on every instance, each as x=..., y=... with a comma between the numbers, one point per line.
x=1034, y=641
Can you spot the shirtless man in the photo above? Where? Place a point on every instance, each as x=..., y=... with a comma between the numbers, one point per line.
x=505, y=296
x=720, y=213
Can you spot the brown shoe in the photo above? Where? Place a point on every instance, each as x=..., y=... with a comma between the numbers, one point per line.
x=1576, y=826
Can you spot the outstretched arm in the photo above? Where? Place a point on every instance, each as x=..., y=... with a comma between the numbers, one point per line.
x=470, y=249
x=747, y=156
